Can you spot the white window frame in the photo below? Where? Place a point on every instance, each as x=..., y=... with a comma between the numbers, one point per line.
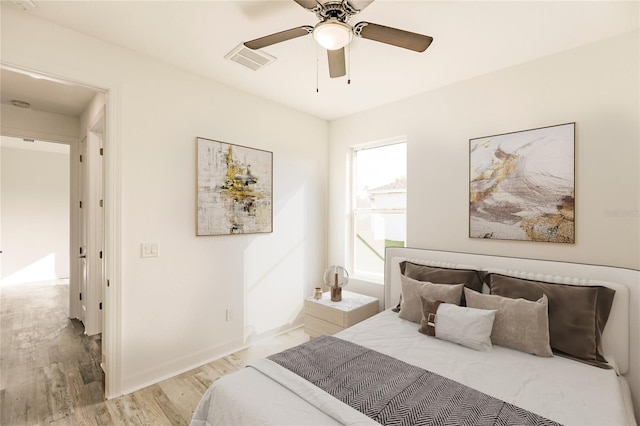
x=353, y=211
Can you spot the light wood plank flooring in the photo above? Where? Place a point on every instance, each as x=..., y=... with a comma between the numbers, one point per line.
x=50, y=372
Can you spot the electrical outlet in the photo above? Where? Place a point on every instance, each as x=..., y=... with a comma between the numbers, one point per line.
x=229, y=315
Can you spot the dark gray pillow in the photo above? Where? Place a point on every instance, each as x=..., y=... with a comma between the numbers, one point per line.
x=472, y=279
x=469, y=277
x=577, y=314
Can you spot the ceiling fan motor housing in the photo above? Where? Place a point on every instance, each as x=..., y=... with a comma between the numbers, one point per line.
x=340, y=10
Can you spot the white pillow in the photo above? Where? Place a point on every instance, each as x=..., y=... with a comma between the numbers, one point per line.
x=468, y=327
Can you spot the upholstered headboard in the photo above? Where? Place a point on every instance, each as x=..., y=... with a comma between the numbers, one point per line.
x=622, y=333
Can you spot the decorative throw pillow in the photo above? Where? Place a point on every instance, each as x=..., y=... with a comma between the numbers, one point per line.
x=519, y=324
x=412, y=290
x=577, y=314
x=470, y=278
x=468, y=327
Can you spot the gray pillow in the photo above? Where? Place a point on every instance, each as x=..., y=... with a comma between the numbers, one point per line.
x=519, y=324
x=412, y=290
x=577, y=314
x=469, y=277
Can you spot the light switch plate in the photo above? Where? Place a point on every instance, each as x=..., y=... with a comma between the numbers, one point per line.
x=149, y=250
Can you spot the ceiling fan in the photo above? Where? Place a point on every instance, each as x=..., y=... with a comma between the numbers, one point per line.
x=334, y=32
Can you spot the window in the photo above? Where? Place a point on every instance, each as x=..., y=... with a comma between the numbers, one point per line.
x=379, y=206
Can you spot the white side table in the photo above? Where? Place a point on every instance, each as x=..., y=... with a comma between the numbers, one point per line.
x=322, y=317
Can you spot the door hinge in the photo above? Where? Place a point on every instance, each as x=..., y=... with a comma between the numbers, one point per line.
x=80, y=204
x=80, y=250
x=81, y=158
x=101, y=203
x=80, y=296
x=108, y=283
x=101, y=151
x=100, y=254
x=100, y=305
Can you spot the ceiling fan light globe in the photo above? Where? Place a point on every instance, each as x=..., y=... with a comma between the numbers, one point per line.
x=332, y=34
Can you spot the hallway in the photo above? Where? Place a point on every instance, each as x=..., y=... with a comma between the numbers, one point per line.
x=47, y=365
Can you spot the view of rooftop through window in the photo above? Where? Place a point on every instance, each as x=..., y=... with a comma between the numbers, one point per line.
x=379, y=206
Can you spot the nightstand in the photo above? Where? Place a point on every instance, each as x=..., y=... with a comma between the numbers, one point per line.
x=326, y=317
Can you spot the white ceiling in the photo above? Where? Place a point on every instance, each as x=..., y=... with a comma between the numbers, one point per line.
x=43, y=94
x=470, y=38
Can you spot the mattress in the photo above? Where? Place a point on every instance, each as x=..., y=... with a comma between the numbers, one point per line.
x=557, y=388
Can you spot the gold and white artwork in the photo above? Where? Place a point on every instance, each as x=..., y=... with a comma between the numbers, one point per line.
x=522, y=185
x=234, y=189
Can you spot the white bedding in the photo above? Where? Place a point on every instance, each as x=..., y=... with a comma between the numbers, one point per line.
x=560, y=389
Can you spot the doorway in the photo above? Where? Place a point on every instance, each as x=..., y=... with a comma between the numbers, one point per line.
x=43, y=350
x=50, y=109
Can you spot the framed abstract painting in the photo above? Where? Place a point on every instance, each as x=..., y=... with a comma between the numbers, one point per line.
x=522, y=185
x=234, y=189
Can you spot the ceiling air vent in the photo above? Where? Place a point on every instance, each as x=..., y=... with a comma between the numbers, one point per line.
x=254, y=59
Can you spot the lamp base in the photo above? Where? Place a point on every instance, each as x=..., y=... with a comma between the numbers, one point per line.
x=336, y=294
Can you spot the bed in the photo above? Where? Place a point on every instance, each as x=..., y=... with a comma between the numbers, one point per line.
x=592, y=390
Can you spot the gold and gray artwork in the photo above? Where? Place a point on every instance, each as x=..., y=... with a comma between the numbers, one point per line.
x=522, y=185
x=234, y=189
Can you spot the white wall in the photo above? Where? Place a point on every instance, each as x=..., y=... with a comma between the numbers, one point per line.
x=172, y=308
x=34, y=212
x=596, y=86
x=44, y=126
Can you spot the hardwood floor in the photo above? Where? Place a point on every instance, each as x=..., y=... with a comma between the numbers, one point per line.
x=50, y=371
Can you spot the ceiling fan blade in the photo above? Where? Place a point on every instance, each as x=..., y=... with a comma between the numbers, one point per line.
x=261, y=42
x=401, y=38
x=307, y=4
x=337, y=64
x=359, y=5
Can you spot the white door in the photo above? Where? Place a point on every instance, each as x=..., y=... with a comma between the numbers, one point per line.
x=94, y=227
x=103, y=279
x=99, y=226
x=82, y=231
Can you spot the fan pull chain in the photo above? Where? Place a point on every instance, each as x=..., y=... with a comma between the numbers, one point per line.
x=349, y=64
x=317, y=66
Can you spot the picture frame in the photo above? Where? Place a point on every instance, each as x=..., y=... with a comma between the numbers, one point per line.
x=234, y=189
x=522, y=185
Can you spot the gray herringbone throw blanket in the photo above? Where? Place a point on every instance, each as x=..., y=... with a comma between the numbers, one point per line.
x=393, y=392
